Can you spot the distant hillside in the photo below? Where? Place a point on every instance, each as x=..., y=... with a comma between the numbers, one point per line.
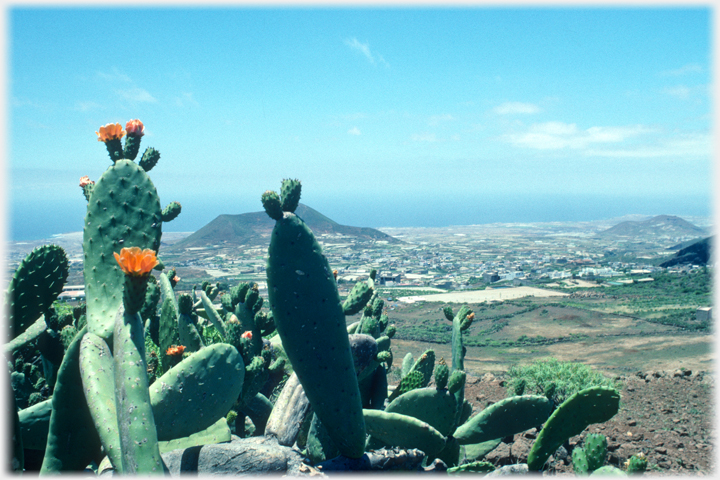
x=660, y=225
x=255, y=228
x=696, y=254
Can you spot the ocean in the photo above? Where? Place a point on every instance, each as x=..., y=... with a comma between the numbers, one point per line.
x=33, y=219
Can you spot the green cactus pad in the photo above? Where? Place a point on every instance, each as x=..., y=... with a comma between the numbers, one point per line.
x=171, y=212
x=478, y=451
x=188, y=335
x=580, y=462
x=290, y=194
x=320, y=446
x=135, y=419
x=474, y=467
x=34, y=425
x=210, y=379
x=218, y=432
x=637, y=464
x=441, y=374
x=36, y=284
x=433, y=406
x=507, y=417
x=30, y=334
x=358, y=297
x=592, y=405
x=310, y=321
x=149, y=159
x=595, y=449
x=124, y=211
x=456, y=381
x=404, y=431
x=407, y=364
x=608, y=471
x=72, y=439
x=168, y=331
x=409, y=382
x=272, y=205
x=96, y=370
x=212, y=314
x=425, y=364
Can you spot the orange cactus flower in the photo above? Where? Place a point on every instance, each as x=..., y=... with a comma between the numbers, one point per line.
x=471, y=317
x=175, y=350
x=85, y=181
x=247, y=335
x=176, y=279
x=111, y=131
x=136, y=262
x=135, y=128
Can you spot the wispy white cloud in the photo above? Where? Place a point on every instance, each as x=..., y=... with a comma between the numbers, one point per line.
x=683, y=146
x=510, y=108
x=114, y=75
x=423, y=137
x=684, y=70
x=679, y=91
x=354, y=131
x=186, y=99
x=136, y=94
x=364, y=49
x=86, y=106
x=125, y=87
x=559, y=135
x=436, y=119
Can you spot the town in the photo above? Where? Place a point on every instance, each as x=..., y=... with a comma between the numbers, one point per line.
x=432, y=260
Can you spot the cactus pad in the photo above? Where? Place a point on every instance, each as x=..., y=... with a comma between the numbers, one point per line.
x=592, y=405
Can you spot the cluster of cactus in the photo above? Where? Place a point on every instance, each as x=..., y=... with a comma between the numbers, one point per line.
x=436, y=420
x=590, y=458
x=104, y=402
x=142, y=371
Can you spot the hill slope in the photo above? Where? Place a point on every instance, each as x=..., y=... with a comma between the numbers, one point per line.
x=659, y=225
x=696, y=254
x=255, y=228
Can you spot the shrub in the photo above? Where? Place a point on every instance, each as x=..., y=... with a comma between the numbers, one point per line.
x=558, y=380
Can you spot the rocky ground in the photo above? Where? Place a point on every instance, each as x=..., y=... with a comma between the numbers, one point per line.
x=669, y=416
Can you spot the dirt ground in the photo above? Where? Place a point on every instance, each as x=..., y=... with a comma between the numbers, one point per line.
x=667, y=415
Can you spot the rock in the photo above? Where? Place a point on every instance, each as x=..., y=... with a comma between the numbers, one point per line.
x=500, y=455
x=289, y=412
x=241, y=456
x=521, y=448
x=395, y=459
x=488, y=377
x=515, y=469
x=436, y=466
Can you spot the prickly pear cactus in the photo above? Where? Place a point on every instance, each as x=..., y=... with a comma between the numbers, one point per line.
x=592, y=405
x=507, y=417
x=311, y=322
x=36, y=284
x=123, y=211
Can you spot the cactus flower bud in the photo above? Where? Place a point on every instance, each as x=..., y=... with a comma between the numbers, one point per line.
x=247, y=335
x=85, y=181
x=135, y=128
x=135, y=262
x=111, y=131
x=175, y=350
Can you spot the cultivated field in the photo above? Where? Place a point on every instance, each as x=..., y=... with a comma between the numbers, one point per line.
x=487, y=295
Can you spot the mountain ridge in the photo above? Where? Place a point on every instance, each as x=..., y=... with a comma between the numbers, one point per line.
x=660, y=224
x=254, y=228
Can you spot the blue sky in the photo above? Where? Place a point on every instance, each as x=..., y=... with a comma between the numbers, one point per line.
x=380, y=112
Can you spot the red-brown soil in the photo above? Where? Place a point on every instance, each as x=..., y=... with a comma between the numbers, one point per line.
x=666, y=415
